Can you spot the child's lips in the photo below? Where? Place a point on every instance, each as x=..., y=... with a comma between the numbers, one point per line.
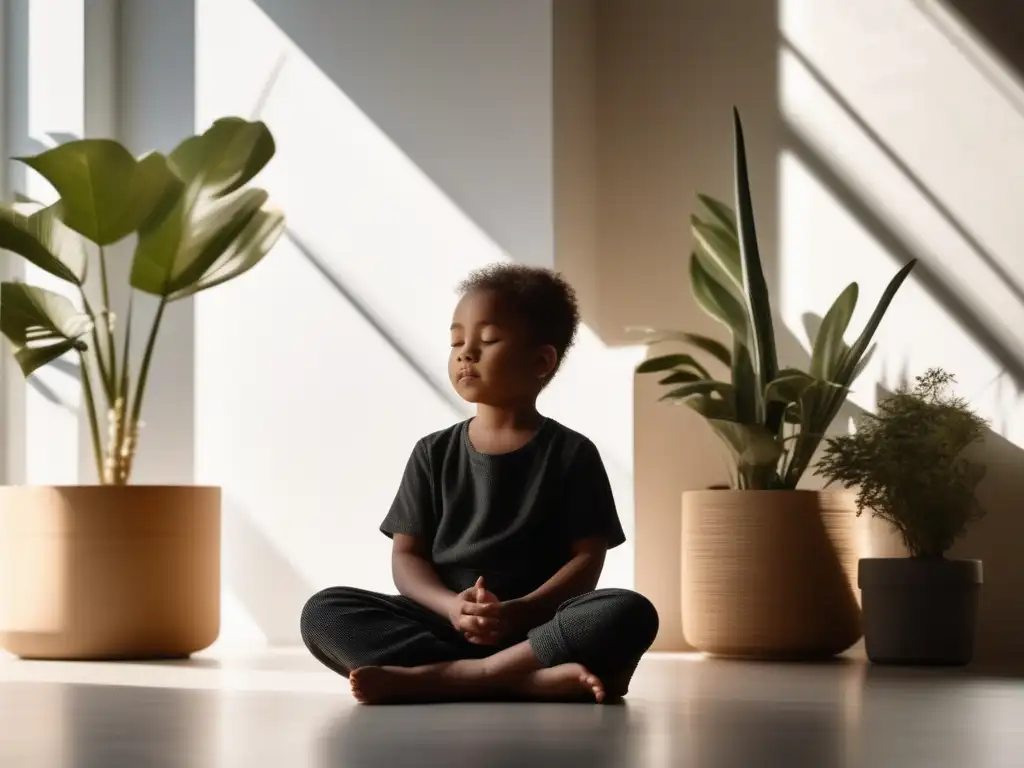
x=468, y=374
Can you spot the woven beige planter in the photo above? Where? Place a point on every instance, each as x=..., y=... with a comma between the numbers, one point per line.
x=101, y=572
x=770, y=574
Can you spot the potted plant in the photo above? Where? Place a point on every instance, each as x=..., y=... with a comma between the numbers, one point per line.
x=112, y=569
x=908, y=464
x=768, y=570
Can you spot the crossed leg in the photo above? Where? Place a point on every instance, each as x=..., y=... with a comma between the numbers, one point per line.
x=393, y=650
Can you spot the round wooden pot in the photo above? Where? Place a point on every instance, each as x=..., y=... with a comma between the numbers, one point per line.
x=109, y=572
x=770, y=575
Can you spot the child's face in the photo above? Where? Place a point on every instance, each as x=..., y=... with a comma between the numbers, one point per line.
x=492, y=360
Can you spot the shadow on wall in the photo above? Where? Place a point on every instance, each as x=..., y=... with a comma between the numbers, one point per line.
x=256, y=573
x=384, y=57
x=999, y=23
x=994, y=539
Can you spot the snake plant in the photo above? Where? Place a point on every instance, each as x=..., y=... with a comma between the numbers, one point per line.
x=771, y=418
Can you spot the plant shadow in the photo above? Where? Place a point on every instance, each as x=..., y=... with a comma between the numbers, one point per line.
x=995, y=539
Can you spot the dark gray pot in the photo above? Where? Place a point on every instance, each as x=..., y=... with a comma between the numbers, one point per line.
x=919, y=611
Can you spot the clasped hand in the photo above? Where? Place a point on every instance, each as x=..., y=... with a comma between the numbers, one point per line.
x=482, y=618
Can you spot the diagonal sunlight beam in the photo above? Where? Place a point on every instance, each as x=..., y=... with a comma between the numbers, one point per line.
x=990, y=259
x=977, y=52
x=442, y=389
x=896, y=244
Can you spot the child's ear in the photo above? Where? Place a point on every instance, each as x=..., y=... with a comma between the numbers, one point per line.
x=548, y=361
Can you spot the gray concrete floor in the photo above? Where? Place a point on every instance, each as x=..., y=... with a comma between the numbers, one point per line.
x=280, y=709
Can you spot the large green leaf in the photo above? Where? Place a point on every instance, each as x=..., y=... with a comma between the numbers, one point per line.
x=106, y=194
x=216, y=230
x=225, y=157
x=178, y=250
x=715, y=348
x=829, y=347
x=40, y=324
x=716, y=300
x=245, y=252
x=45, y=241
x=761, y=339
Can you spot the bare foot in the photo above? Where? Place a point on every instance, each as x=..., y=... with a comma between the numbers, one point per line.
x=617, y=686
x=433, y=683
x=566, y=682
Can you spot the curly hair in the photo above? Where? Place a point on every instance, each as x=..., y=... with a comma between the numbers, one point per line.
x=542, y=298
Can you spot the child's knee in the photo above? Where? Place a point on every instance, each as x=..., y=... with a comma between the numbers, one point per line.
x=639, y=615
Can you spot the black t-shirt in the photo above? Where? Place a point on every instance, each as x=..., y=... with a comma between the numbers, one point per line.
x=510, y=517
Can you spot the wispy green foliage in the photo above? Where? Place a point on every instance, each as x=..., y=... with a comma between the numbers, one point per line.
x=909, y=466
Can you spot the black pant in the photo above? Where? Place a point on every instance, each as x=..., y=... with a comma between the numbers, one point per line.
x=607, y=631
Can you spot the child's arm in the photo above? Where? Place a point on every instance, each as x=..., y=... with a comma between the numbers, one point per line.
x=417, y=579
x=577, y=577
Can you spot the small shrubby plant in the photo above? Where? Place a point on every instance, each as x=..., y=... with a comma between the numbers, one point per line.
x=909, y=465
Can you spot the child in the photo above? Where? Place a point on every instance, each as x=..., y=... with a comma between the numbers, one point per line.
x=500, y=528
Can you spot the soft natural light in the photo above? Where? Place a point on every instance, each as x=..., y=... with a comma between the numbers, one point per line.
x=47, y=102
x=928, y=181
x=306, y=413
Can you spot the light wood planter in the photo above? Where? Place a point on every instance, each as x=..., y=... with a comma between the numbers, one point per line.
x=770, y=574
x=109, y=572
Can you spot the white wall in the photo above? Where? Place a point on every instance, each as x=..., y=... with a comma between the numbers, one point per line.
x=905, y=137
x=414, y=144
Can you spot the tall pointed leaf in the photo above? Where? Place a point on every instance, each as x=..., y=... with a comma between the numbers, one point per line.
x=845, y=373
x=40, y=324
x=829, y=347
x=761, y=340
x=716, y=300
x=106, y=194
x=719, y=254
x=744, y=383
x=45, y=241
x=861, y=344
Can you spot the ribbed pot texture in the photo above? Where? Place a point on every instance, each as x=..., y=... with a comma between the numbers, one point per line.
x=109, y=572
x=770, y=575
